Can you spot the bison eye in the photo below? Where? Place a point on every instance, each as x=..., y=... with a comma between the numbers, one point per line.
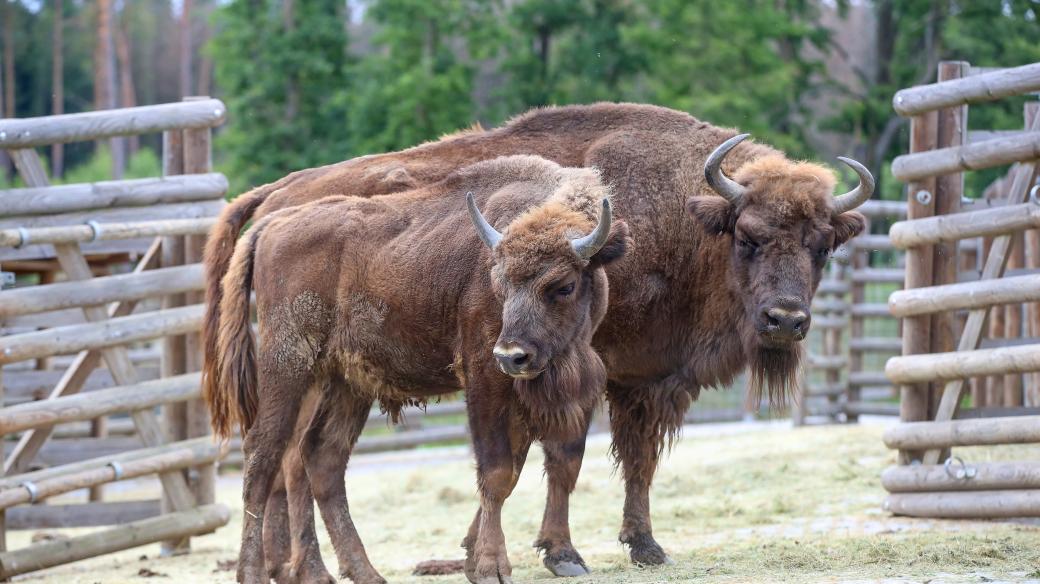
x=565, y=290
x=747, y=246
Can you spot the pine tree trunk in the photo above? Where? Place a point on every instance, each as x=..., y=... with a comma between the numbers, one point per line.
x=185, y=49
x=126, y=75
x=58, y=84
x=9, y=16
x=105, y=80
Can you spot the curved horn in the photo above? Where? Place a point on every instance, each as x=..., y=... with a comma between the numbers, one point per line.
x=487, y=233
x=719, y=182
x=587, y=246
x=858, y=195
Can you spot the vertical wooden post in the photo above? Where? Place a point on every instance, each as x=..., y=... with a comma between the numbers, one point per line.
x=174, y=349
x=198, y=159
x=1032, y=259
x=914, y=400
x=1013, y=326
x=858, y=296
x=951, y=131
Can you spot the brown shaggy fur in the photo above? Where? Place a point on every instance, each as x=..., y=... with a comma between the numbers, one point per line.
x=337, y=301
x=686, y=303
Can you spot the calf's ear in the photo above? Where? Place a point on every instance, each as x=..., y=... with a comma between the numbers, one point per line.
x=715, y=213
x=615, y=247
x=847, y=225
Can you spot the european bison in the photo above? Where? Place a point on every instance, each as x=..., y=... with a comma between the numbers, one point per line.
x=395, y=298
x=717, y=283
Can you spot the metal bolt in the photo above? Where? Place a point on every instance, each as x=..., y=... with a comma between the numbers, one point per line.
x=3, y=135
x=924, y=197
x=216, y=113
x=27, y=133
x=899, y=99
x=1034, y=195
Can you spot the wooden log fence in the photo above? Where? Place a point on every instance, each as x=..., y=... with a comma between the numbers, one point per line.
x=946, y=297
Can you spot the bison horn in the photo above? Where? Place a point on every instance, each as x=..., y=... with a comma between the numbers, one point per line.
x=487, y=233
x=587, y=246
x=730, y=190
x=858, y=195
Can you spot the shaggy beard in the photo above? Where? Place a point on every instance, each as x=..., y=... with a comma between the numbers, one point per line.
x=774, y=373
x=557, y=403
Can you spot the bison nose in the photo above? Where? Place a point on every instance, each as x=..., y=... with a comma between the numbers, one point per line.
x=791, y=324
x=514, y=359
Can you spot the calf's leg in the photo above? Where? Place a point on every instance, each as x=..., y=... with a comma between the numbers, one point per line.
x=641, y=420
x=326, y=446
x=280, y=394
x=562, y=465
x=276, y=532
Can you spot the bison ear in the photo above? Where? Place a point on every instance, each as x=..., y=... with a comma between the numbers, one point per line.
x=847, y=225
x=615, y=247
x=715, y=213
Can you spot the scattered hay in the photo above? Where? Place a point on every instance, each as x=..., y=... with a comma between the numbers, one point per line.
x=438, y=567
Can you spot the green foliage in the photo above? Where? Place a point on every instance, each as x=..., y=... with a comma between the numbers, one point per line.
x=143, y=164
x=416, y=84
x=281, y=76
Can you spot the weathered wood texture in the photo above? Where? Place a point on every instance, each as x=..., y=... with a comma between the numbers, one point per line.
x=986, y=223
x=962, y=364
x=983, y=87
x=106, y=194
x=85, y=406
x=977, y=156
x=103, y=290
x=42, y=131
x=45, y=555
x=966, y=505
x=96, y=335
x=970, y=432
x=980, y=294
x=986, y=476
x=80, y=515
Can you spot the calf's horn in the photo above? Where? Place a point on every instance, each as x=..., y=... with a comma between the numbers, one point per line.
x=587, y=246
x=487, y=233
x=858, y=195
x=731, y=190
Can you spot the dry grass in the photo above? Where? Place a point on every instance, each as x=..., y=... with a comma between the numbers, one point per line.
x=731, y=504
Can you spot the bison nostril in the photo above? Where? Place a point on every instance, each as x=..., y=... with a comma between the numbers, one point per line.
x=521, y=359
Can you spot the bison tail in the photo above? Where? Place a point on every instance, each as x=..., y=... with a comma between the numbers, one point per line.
x=232, y=392
x=220, y=248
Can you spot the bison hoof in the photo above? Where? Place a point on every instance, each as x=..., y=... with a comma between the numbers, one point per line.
x=566, y=563
x=500, y=579
x=644, y=551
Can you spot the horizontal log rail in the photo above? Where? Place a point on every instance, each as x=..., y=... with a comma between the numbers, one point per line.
x=865, y=378
x=984, y=476
x=911, y=369
x=41, y=131
x=966, y=505
x=115, y=193
x=833, y=287
x=117, y=331
x=879, y=275
x=828, y=361
x=198, y=521
x=871, y=241
x=976, y=156
x=99, y=471
x=87, y=406
x=876, y=208
x=101, y=290
x=861, y=408
x=876, y=344
x=945, y=228
x=933, y=299
x=987, y=86
x=166, y=212
x=871, y=309
x=109, y=232
x=970, y=432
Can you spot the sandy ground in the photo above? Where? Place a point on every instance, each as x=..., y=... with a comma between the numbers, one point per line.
x=733, y=503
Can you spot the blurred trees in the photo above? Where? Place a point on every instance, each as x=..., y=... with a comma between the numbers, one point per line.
x=309, y=82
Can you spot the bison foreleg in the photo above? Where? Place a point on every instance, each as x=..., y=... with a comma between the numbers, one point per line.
x=562, y=465
x=641, y=422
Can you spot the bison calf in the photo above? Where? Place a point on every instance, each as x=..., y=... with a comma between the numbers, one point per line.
x=395, y=298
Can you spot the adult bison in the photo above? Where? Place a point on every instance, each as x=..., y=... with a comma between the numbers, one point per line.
x=395, y=298
x=721, y=279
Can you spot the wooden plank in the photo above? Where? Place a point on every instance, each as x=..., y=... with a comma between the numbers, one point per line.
x=109, y=232
x=46, y=130
x=879, y=275
x=48, y=554
x=988, y=86
x=80, y=515
x=984, y=293
x=84, y=406
x=977, y=156
x=876, y=344
x=101, y=290
x=94, y=335
x=985, y=476
x=985, y=223
x=117, y=193
x=190, y=210
x=971, y=432
x=962, y=364
x=966, y=505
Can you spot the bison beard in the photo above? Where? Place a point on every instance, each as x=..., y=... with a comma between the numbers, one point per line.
x=557, y=402
x=773, y=373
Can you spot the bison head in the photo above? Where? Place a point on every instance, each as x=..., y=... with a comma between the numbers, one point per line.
x=548, y=275
x=783, y=223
